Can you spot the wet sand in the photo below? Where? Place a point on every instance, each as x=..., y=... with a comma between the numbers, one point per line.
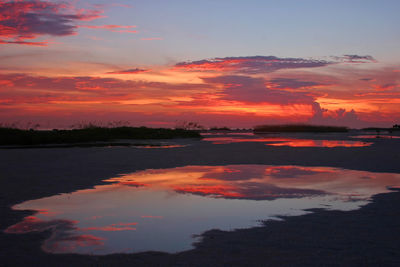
x=369, y=236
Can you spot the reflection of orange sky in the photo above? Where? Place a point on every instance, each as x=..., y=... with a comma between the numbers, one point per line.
x=198, y=185
x=279, y=141
x=321, y=143
x=211, y=190
x=263, y=182
x=62, y=238
x=228, y=140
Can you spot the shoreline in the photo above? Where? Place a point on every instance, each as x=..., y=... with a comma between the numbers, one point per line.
x=367, y=236
x=43, y=172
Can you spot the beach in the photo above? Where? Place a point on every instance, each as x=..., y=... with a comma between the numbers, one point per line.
x=365, y=237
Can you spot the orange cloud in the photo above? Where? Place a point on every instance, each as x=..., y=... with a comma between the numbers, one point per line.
x=234, y=91
x=385, y=87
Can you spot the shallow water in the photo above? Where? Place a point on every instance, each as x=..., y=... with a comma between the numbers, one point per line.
x=320, y=143
x=161, y=210
x=293, y=142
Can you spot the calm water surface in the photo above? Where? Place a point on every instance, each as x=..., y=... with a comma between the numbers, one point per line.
x=293, y=142
x=162, y=210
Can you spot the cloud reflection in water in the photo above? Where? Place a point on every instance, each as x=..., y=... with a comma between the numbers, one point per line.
x=161, y=209
x=292, y=142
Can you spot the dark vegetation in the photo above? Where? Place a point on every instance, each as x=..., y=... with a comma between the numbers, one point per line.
x=13, y=136
x=100, y=144
x=189, y=125
x=395, y=127
x=299, y=128
x=220, y=129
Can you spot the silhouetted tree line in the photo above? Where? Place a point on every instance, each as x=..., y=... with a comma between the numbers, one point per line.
x=13, y=136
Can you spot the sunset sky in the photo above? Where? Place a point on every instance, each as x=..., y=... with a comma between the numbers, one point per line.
x=216, y=62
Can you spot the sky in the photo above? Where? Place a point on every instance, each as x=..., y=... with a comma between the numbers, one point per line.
x=217, y=63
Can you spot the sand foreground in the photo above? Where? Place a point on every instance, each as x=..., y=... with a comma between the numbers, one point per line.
x=369, y=236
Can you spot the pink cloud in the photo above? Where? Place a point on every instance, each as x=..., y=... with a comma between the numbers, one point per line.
x=113, y=28
x=254, y=90
x=70, y=84
x=62, y=237
x=19, y=89
x=66, y=242
x=219, y=98
x=128, y=71
x=340, y=117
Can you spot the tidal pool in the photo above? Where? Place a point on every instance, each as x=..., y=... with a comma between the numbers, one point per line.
x=293, y=142
x=163, y=209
